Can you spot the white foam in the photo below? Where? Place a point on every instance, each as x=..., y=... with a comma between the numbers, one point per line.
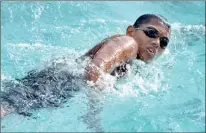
x=38, y=11
x=179, y=27
x=166, y=52
x=40, y=47
x=3, y=77
x=146, y=80
x=102, y=20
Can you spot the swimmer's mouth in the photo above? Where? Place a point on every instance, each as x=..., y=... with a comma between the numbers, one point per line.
x=151, y=51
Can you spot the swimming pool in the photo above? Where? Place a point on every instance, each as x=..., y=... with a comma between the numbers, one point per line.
x=167, y=95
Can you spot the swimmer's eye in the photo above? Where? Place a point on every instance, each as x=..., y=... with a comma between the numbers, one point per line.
x=151, y=32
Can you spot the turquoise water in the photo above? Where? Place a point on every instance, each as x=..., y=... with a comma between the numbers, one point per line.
x=167, y=95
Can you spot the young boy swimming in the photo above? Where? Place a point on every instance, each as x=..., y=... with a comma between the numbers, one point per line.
x=145, y=40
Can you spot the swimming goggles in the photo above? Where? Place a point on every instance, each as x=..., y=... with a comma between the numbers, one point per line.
x=153, y=33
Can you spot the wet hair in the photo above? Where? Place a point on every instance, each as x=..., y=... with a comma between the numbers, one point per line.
x=148, y=17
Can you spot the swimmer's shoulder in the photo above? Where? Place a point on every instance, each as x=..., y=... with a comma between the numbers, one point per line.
x=122, y=40
x=117, y=39
x=99, y=45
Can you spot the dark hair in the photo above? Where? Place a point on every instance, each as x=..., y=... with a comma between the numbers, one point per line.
x=148, y=17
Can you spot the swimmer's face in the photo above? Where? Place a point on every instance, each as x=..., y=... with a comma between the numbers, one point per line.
x=152, y=39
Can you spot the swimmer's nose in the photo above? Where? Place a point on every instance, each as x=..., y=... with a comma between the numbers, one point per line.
x=156, y=43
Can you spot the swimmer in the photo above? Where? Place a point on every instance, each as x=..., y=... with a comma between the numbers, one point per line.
x=145, y=40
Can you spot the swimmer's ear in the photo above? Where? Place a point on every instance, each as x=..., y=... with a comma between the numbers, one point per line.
x=130, y=30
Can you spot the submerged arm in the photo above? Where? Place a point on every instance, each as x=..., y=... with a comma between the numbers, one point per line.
x=5, y=109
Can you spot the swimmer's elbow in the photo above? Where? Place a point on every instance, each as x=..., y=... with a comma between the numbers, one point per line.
x=91, y=73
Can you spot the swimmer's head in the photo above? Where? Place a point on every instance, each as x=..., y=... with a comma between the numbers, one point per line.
x=151, y=32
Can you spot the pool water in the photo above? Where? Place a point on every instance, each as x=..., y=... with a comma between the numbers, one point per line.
x=167, y=95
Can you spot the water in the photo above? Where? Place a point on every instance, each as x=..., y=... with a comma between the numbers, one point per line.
x=167, y=95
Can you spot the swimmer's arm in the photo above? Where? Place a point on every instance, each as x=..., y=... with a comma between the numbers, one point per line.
x=113, y=54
